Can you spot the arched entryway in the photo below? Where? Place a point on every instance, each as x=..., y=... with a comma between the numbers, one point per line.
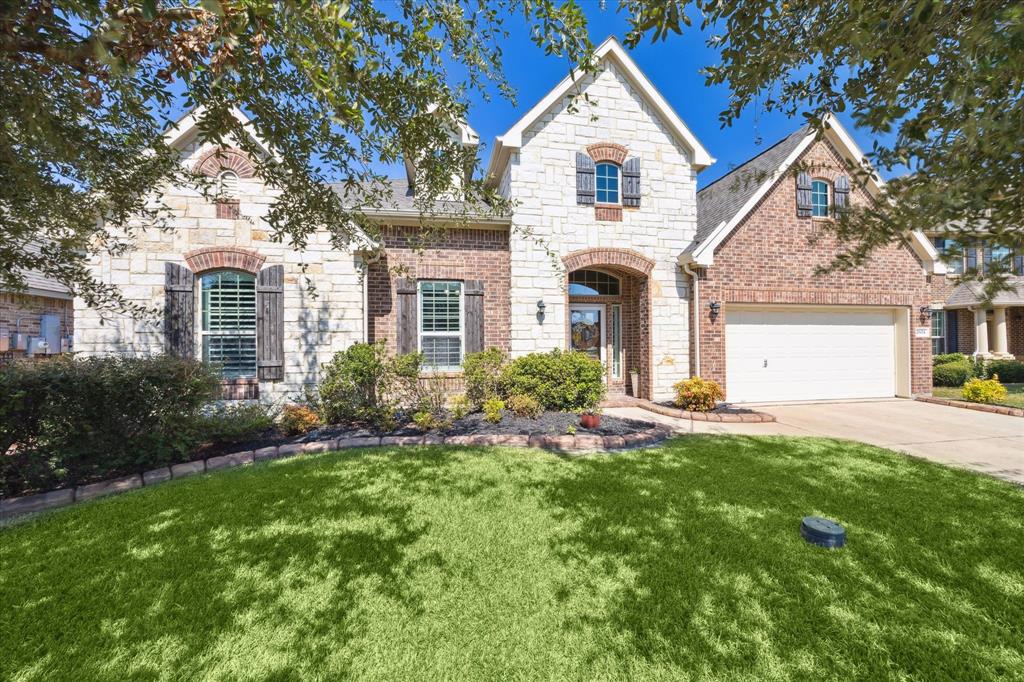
x=608, y=314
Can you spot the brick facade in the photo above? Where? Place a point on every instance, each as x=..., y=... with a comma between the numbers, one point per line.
x=457, y=254
x=24, y=312
x=771, y=258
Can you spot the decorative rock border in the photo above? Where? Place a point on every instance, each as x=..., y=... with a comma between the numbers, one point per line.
x=63, y=497
x=979, y=407
x=747, y=417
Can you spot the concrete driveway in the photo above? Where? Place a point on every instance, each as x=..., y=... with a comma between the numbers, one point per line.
x=989, y=443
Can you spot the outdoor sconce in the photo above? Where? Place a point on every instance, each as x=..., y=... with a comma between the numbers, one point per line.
x=716, y=308
x=540, y=310
x=926, y=311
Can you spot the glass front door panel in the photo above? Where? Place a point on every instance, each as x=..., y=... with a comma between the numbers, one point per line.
x=586, y=331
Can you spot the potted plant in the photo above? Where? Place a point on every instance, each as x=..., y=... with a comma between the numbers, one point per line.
x=590, y=418
x=634, y=381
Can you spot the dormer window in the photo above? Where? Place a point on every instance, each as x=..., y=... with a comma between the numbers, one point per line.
x=819, y=199
x=607, y=183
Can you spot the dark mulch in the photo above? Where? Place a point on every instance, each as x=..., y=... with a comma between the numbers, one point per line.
x=549, y=423
x=725, y=408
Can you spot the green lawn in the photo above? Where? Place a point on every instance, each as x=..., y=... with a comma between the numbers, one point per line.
x=1015, y=397
x=443, y=563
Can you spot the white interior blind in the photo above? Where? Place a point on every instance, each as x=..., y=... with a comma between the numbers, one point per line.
x=229, y=322
x=441, y=324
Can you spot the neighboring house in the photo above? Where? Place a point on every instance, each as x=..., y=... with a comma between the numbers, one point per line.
x=37, y=321
x=964, y=322
x=608, y=249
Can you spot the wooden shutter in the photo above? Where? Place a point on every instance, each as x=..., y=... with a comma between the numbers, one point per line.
x=631, y=182
x=179, y=311
x=585, y=170
x=473, y=295
x=951, y=330
x=972, y=256
x=841, y=190
x=407, y=308
x=270, y=323
x=803, y=195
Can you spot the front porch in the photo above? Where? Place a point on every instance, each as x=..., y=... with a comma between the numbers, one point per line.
x=991, y=329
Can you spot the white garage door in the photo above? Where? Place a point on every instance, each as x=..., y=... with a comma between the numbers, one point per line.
x=774, y=355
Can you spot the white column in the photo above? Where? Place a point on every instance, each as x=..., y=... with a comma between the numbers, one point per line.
x=980, y=332
x=999, y=344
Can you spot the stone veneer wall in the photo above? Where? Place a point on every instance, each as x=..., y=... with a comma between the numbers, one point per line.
x=457, y=254
x=771, y=258
x=541, y=177
x=29, y=309
x=316, y=325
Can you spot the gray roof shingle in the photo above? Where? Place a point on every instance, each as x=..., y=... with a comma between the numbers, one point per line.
x=721, y=200
x=972, y=293
x=401, y=199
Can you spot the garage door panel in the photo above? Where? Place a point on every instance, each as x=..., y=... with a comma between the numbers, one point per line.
x=808, y=355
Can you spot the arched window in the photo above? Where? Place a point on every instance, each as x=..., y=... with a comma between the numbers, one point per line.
x=607, y=183
x=593, y=283
x=227, y=184
x=228, y=326
x=819, y=199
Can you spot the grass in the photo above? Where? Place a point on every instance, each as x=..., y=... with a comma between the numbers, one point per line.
x=1014, y=397
x=444, y=563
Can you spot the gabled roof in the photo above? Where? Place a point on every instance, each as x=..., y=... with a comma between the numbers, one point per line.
x=613, y=51
x=725, y=203
x=187, y=125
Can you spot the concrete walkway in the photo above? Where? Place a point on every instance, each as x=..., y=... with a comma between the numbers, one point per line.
x=989, y=443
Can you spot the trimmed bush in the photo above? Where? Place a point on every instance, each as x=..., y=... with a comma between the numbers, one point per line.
x=68, y=421
x=952, y=373
x=1009, y=371
x=560, y=380
x=482, y=374
x=296, y=419
x=233, y=422
x=493, y=409
x=698, y=395
x=364, y=385
x=525, y=406
x=459, y=406
x=945, y=358
x=984, y=391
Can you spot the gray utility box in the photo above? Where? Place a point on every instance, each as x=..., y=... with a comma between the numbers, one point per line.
x=19, y=341
x=37, y=345
x=50, y=331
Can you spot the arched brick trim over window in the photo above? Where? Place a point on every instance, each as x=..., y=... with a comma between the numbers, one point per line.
x=621, y=258
x=224, y=258
x=212, y=162
x=607, y=151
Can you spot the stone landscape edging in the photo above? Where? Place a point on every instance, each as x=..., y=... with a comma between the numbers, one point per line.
x=64, y=497
x=748, y=417
x=978, y=407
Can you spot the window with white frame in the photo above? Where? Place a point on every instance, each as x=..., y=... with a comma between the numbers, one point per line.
x=440, y=316
x=938, y=332
x=228, y=324
x=607, y=183
x=819, y=199
x=227, y=184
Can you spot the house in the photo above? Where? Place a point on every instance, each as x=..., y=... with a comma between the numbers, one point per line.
x=964, y=321
x=609, y=250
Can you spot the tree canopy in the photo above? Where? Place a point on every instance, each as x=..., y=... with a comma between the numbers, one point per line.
x=941, y=81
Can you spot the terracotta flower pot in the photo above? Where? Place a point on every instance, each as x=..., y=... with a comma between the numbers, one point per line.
x=590, y=421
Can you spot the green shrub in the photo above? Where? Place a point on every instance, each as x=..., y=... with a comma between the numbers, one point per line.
x=952, y=373
x=233, y=422
x=560, y=380
x=1009, y=371
x=298, y=419
x=978, y=366
x=525, y=406
x=364, y=385
x=698, y=395
x=984, y=391
x=459, y=406
x=493, y=409
x=945, y=358
x=425, y=420
x=67, y=421
x=482, y=374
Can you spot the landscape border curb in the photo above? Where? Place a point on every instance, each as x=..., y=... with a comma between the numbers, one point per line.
x=565, y=443
x=977, y=407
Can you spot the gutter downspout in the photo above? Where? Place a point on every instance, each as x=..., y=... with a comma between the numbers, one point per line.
x=696, y=318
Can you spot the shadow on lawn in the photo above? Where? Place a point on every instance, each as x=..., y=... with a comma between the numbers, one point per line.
x=714, y=577
x=276, y=570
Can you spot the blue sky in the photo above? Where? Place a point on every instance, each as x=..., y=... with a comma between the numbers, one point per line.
x=672, y=65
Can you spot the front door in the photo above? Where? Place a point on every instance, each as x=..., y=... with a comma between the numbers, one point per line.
x=587, y=330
